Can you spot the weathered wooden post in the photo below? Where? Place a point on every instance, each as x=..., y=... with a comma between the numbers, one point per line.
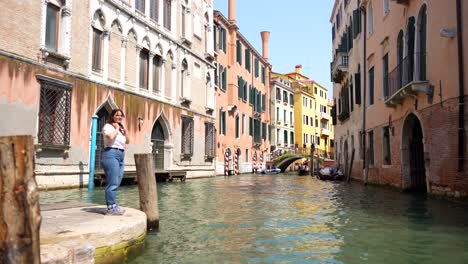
x=348, y=176
x=318, y=164
x=147, y=189
x=311, y=165
x=20, y=217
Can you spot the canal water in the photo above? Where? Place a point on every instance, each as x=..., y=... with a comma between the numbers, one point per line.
x=292, y=219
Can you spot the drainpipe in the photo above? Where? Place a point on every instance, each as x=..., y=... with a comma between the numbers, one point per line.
x=92, y=153
x=364, y=82
x=461, y=86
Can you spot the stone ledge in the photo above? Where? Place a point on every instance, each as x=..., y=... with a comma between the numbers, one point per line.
x=82, y=233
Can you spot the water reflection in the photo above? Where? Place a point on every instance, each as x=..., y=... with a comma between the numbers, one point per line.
x=290, y=219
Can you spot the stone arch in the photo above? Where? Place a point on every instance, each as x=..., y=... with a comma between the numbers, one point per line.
x=158, y=49
x=146, y=43
x=165, y=125
x=412, y=155
x=99, y=20
x=102, y=112
x=117, y=26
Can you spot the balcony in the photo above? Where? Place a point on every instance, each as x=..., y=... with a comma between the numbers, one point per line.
x=339, y=66
x=324, y=116
x=324, y=132
x=343, y=116
x=401, y=82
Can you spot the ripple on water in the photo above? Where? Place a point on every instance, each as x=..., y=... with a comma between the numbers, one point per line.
x=289, y=219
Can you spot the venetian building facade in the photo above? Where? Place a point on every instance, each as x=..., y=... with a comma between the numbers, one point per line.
x=312, y=109
x=149, y=58
x=413, y=71
x=346, y=73
x=282, y=115
x=242, y=92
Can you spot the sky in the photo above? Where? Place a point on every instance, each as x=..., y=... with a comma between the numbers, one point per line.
x=300, y=33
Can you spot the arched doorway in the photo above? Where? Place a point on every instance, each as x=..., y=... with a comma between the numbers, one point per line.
x=103, y=115
x=414, y=173
x=157, y=142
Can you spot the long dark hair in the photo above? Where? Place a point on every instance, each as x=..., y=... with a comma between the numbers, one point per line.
x=110, y=120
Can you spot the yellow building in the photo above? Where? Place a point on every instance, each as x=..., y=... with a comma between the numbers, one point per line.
x=312, y=114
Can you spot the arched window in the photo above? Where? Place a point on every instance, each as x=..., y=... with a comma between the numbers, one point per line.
x=183, y=16
x=156, y=74
x=97, y=51
x=144, y=68
x=115, y=49
x=183, y=78
x=168, y=74
x=410, y=34
x=421, y=53
x=131, y=59
x=370, y=19
x=400, y=49
x=167, y=14
x=207, y=36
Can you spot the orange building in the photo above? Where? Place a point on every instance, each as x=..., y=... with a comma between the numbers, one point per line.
x=411, y=92
x=242, y=96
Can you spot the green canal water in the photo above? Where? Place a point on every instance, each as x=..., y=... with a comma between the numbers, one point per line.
x=292, y=219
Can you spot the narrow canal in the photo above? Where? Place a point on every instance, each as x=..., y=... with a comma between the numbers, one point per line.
x=291, y=219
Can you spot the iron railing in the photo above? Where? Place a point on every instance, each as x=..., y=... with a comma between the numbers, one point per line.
x=403, y=73
x=54, y=114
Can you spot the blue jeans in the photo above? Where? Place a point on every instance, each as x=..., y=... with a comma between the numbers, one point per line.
x=112, y=161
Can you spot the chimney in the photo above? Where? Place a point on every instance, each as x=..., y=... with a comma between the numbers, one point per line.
x=299, y=68
x=265, y=37
x=232, y=11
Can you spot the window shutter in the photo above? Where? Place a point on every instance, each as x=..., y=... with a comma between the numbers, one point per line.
x=215, y=41
x=224, y=78
x=239, y=86
x=357, y=81
x=239, y=52
x=263, y=103
x=256, y=68
x=250, y=126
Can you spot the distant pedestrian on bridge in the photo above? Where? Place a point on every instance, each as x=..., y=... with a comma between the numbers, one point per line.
x=112, y=161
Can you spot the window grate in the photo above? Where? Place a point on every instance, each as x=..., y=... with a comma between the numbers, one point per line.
x=209, y=140
x=187, y=136
x=54, y=112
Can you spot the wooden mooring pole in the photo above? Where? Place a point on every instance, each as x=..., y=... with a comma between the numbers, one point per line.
x=147, y=189
x=20, y=216
x=348, y=176
x=311, y=165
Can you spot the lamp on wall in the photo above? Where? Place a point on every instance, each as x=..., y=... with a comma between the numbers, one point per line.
x=447, y=32
x=140, y=122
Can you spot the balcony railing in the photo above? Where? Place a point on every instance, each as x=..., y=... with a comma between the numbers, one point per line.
x=401, y=82
x=324, y=132
x=339, y=66
x=324, y=116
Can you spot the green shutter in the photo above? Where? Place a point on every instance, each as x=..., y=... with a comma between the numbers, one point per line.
x=263, y=103
x=250, y=126
x=239, y=52
x=245, y=91
x=239, y=86
x=237, y=126
x=256, y=68
x=264, y=131
x=224, y=122
x=224, y=78
x=263, y=74
x=247, y=59
x=215, y=31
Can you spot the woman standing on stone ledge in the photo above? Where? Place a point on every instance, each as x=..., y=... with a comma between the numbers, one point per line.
x=112, y=161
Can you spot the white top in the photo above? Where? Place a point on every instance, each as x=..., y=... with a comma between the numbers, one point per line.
x=119, y=140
